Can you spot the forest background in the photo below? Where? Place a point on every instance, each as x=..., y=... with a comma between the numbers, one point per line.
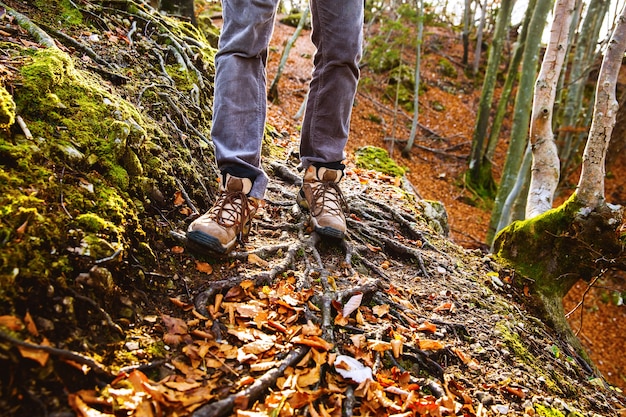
x=434, y=136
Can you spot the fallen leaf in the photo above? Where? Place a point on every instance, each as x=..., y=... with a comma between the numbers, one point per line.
x=313, y=341
x=38, y=355
x=430, y=344
x=353, y=303
x=178, y=199
x=258, y=346
x=204, y=267
x=381, y=310
x=30, y=324
x=11, y=323
x=350, y=368
x=257, y=260
x=427, y=327
x=177, y=249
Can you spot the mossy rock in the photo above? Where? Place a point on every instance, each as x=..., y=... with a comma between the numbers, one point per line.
x=372, y=157
x=435, y=214
x=7, y=109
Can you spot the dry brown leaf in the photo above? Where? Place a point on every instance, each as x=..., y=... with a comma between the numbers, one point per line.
x=257, y=260
x=30, y=324
x=38, y=355
x=177, y=249
x=250, y=309
x=204, y=267
x=381, y=310
x=379, y=345
x=352, y=304
x=179, y=200
x=427, y=327
x=11, y=323
x=313, y=341
x=430, y=345
x=258, y=346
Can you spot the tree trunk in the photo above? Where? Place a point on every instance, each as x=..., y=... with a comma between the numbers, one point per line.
x=479, y=37
x=418, y=52
x=545, y=166
x=467, y=20
x=486, y=99
x=273, y=91
x=521, y=114
x=579, y=239
x=590, y=190
x=572, y=120
x=511, y=77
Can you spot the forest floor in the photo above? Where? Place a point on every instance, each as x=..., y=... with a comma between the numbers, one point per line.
x=106, y=311
x=437, y=163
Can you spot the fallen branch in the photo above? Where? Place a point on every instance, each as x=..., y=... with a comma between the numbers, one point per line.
x=254, y=391
x=97, y=368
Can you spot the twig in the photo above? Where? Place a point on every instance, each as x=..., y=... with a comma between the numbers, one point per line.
x=254, y=391
x=24, y=128
x=107, y=318
x=62, y=353
x=28, y=25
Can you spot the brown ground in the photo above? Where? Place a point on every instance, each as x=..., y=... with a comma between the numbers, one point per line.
x=448, y=108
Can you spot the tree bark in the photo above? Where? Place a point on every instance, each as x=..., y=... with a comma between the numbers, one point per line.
x=418, y=52
x=545, y=165
x=521, y=113
x=486, y=99
x=590, y=190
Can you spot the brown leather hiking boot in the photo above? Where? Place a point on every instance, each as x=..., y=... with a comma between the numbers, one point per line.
x=320, y=193
x=229, y=220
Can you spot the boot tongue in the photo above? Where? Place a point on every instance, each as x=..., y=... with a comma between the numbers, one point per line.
x=237, y=184
x=329, y=175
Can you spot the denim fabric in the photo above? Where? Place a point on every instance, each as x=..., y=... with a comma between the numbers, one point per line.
x=240, y=101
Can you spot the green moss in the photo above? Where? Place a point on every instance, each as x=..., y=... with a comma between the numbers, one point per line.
x=372, y=157
x=7, y=109
x=91, y=222
x=447, y=69
x=83, y=117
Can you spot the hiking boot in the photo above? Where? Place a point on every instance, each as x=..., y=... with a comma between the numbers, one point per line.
x=320, y=194
x=228, y=221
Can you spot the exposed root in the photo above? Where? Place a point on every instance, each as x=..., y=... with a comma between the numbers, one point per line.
x=254, y=391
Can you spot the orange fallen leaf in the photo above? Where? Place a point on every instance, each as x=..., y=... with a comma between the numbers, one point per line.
x=38, y=355
x=177, y=249
x=11, y=323
x=178, y=198
x=427, y=327
x=204, y=267
x=257, y=260
x=381, y=310
x=445, y=307
x=313, y=341
x=430, y=344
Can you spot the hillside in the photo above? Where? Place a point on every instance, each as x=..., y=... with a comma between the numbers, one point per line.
x=106, y=311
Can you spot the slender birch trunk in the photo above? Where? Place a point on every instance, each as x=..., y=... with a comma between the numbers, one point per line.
x=590, y=190
x=545, y=165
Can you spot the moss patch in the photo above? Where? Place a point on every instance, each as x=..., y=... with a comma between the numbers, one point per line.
x=372, y=157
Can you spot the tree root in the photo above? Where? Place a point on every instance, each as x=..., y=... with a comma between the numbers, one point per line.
x=254, y=391
x=96, y=367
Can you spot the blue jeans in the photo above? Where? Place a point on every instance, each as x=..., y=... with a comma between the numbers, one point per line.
x=240, y=100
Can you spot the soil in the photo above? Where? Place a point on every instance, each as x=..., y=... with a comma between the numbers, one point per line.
x=436, y=164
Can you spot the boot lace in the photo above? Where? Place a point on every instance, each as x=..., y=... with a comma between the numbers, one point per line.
x=327, y=196
x=232, y=209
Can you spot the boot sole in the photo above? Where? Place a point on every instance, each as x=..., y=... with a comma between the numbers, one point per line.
x=204, y=241
x=330, y=232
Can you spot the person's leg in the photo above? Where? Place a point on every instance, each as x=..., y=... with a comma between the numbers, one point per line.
x=239, y=111
x=338, y=36
x=240, y=103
